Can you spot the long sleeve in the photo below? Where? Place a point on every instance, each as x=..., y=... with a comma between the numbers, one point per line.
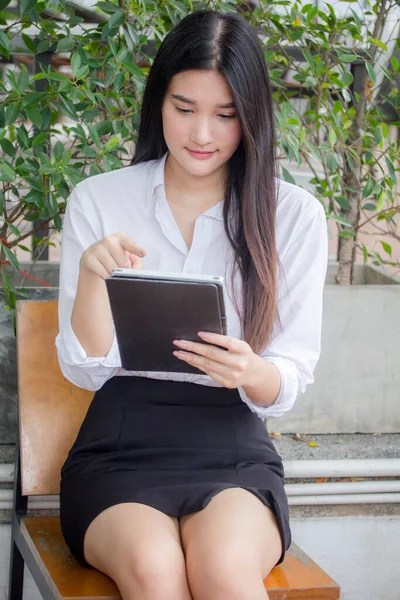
x=81, y=229
x=295, y=347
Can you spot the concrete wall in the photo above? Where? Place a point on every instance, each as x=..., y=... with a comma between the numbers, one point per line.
x=357, y=380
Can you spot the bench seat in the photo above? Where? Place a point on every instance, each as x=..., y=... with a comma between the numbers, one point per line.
x=297, y=578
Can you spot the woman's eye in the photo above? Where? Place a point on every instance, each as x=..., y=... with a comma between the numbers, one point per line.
x=185, y=111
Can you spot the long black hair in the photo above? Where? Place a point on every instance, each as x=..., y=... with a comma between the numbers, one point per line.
x=226, y=43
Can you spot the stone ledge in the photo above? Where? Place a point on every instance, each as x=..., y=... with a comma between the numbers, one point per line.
x=337, y=446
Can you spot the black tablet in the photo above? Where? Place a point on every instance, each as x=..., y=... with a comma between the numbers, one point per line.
x=150, y=309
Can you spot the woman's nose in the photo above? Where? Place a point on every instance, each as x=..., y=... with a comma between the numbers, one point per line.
x=201, y=132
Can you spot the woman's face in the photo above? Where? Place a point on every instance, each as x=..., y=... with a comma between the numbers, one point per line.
x=199, y=115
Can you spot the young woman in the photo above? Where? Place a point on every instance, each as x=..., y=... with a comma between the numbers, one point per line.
x=173, y=487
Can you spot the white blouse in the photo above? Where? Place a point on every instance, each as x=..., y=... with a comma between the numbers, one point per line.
x=132, y=200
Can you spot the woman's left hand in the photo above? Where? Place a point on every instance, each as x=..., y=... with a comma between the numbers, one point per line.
x=230, y=368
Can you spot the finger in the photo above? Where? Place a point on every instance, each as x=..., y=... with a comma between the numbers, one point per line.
x=107, y=259
x=205, y=364
x=130, y=245
x=222, y=376
x=226, y=341
x=135, y=261
x=117, y=252
x=215, y=354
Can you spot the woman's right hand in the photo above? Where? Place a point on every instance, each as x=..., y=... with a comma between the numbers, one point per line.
x=116, y=250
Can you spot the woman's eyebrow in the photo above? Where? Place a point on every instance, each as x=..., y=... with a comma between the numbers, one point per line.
x=188, y=101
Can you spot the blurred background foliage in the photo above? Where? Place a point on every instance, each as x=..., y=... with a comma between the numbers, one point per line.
x=72, y=77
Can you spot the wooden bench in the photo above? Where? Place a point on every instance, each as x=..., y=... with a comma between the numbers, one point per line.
x=50, y=412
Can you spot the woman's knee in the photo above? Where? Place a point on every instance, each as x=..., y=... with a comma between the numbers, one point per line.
x=154, y=570
x=140, y=549
x=224, y=573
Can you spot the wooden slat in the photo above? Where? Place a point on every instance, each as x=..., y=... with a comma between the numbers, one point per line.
x=51, y=409
x=71, y=580
x=300, y=578
x=297, y=578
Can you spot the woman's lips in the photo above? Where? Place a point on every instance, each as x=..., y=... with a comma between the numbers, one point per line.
x=200, y=155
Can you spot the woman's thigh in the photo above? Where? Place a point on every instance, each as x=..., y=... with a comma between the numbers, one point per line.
x=140, y=548
x=234, y=541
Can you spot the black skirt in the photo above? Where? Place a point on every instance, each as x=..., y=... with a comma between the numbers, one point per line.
x=170, y=445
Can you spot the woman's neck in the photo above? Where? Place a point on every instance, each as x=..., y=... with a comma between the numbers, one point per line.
x=199, y=193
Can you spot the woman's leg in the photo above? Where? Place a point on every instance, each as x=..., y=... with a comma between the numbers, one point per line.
x=230, y=546
x=139, y=547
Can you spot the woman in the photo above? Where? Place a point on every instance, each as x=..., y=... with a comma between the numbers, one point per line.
x=173, y=487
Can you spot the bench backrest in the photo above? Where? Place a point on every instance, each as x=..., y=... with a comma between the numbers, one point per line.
x=51, y=409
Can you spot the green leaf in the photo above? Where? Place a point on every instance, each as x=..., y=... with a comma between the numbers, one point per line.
x=387, y=248
x=25, y=6
x=369, y=187
x=43, y=46
x=117, y=19
x=29, y=43
x=347, y=234
x=35, y=116
x=66, y=157
x=348, y=58
x=112, y=142
x=33, y=99
x=4, y=4
x=34, y=197
x=7, y=147
x=395, y=63
x=312, y=13
x=23, y=79
x=378, y=43
x=58, y=151
x=392, y=169
x=369, y=206
x=75, y=63
x=74, y=175
x=340, y=220
x=133, y=33
x=365, y=252
x=287, y=176
x=348, y=78
x=5, y=43
x=94, y=135
x=11, y=257
x=343, y=202
x=107, y=7
x=332, y=137
x=54, y=76
x=371, y=73
x=7, y=173
x=14, y=230
x=82, y=72
x=69, y=107
x=88, y=151
x=11, y=113
x=58, y=222
x=65, y=45
x=39, y=139
x=122, y=54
